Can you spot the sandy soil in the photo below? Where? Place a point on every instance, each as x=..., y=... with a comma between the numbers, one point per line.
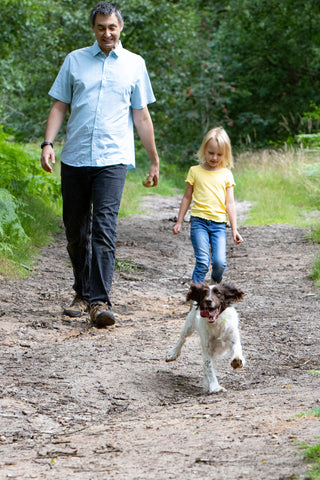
x=88, y=404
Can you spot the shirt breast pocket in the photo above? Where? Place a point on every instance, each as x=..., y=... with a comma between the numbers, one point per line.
x=120, y=88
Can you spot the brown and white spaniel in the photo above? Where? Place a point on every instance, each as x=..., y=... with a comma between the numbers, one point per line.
x=218, y=326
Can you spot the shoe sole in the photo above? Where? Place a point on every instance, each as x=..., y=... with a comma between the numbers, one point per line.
x=70, y=313
x=104, y=320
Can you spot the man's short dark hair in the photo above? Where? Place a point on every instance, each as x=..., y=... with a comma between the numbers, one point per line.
x=107, y=9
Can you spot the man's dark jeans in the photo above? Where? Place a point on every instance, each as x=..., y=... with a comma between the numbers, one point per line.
x=91, y=201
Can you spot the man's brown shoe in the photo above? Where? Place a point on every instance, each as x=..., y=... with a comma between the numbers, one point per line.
x=101, y=315
x=78, y=307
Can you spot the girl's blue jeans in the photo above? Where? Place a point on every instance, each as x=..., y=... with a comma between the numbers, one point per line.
x=209, y=240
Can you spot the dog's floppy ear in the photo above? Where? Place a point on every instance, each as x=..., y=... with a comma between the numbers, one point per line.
x=197, y=292
x=231, y=292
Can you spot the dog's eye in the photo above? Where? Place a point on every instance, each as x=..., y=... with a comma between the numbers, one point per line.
x=206, y=294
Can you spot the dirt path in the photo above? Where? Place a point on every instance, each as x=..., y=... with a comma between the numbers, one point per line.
x=87, y=404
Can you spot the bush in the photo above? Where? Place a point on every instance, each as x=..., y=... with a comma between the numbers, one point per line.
x=29, y=203
x=11, y=230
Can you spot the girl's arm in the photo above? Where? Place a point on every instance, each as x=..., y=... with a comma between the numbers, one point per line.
x=232, y=214
x=184, y=207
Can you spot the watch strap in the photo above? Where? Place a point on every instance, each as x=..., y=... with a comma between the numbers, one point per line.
x=43, y=144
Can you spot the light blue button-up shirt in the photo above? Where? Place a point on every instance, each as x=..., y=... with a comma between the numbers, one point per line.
x=101, y=92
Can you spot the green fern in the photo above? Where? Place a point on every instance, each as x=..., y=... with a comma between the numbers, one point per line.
x=30, y=204
x=21, y=172
x=11, y=231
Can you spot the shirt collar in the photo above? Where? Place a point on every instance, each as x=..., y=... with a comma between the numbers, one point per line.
x=117, y=51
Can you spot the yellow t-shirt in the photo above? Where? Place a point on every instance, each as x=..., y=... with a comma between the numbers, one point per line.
x=209, y=192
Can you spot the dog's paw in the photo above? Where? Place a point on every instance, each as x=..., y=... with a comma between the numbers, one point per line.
x=172, y=355
x=237, y=363
x=216, y=389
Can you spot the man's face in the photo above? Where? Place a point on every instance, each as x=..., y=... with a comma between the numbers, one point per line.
x=107, y=31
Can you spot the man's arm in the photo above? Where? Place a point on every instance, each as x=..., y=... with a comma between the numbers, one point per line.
x=144, y=126
x=55, y=120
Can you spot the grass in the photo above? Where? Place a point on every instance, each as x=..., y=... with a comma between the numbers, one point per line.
x=283, y=187
x=314, y=412
x=128, y=265
x=311, y=452
x=312, y=456
x=280, y=185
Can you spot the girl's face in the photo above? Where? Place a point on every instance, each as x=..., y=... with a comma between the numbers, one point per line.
x=213, y=155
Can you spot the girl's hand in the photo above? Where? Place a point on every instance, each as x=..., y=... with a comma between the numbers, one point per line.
x=237, y=238
x=176, y=228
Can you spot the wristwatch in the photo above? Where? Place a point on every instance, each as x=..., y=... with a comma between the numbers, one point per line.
x=43, y=144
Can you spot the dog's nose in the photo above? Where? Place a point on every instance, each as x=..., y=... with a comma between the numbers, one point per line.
x=208, y=302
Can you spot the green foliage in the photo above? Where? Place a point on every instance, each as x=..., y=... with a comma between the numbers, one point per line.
x=29, y=202
x=312, y=119
x=312, y=455
x=308, y=124
x=22, y=175
x=128, y=266
x=35, y=37
x=208, y=66
x=313, y=412
x=315, y=274
x=258, y=53
x=309, y=140
x=11, y=231
x=192, y=95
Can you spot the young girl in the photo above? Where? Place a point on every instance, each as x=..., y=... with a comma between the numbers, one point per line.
x=210, y=186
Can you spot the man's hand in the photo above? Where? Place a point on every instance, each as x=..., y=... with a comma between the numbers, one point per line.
x=144, y=126
x=55, y=120
x=46, y=157
x=152, y=178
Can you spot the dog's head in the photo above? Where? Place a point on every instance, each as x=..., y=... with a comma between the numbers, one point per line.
x=214, y=299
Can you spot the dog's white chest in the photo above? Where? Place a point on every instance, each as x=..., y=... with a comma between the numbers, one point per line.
x=216, y=337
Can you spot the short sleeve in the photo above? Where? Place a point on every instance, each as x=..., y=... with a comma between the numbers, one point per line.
x=190, y=176
x=142, y=93
x=62, y=88
x=230, y=180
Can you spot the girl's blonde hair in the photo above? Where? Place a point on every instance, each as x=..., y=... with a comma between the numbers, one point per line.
x=220, y=135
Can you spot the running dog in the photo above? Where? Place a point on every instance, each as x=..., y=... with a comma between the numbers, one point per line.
x=218, y=326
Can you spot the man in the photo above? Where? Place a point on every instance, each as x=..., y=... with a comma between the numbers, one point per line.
x=107, y=90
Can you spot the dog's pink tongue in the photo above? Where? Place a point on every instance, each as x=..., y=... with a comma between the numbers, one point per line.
x=212, y=316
